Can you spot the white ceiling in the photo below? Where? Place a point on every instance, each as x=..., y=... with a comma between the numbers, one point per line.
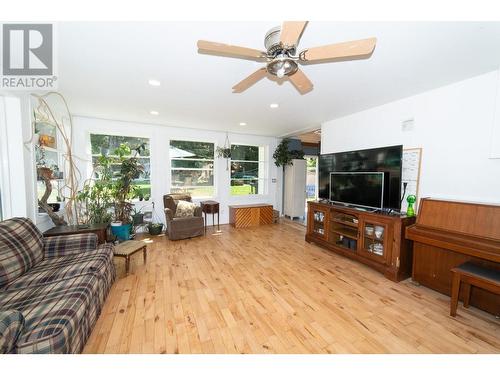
x=104, y=69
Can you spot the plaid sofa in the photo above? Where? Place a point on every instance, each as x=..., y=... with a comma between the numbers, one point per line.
x=51, y=289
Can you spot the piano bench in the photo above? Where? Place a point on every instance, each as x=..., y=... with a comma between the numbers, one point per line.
x=469, y=274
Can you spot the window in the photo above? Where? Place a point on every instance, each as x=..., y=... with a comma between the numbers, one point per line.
x=102, y=144
x=192, y=168
x=247, y=170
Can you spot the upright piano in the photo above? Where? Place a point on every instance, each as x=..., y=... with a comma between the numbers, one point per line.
x=449, y=233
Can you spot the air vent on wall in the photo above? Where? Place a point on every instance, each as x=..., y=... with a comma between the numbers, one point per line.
x=408, y=125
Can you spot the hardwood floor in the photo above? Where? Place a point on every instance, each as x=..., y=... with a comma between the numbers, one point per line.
x=265, y=290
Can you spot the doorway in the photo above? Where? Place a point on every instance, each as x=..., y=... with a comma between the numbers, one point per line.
x=311, y=180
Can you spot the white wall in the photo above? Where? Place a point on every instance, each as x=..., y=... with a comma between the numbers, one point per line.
x=453, y=125
x=160, y=137
x=12, y=156
x=495, y=133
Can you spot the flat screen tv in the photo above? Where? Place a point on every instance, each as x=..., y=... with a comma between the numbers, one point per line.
x=383, y=159
x=362, y=189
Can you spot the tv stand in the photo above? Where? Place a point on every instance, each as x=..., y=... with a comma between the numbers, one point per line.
x=376, y=239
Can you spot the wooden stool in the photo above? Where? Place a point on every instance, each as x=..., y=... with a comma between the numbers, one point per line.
x=128, y=248
x=472, y=274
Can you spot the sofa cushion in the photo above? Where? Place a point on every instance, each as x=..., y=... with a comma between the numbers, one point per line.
x=21, y=248
x=11, y=326
x=61, y=268
x=185, y=209
x=70, y=244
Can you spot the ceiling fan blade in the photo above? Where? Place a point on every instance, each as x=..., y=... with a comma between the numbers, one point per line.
x=249, y=81
x=356, y=49
x=301, y=82
x=220, y=49
x=291, y=31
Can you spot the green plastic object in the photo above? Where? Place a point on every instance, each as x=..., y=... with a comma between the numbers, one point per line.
x=411, y=199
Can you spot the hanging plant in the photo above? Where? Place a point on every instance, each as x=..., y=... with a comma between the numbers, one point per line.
x=224, y=152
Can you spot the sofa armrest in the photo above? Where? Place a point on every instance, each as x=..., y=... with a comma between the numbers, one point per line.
x=71, y=244
x=169, y=215
x=11, y=327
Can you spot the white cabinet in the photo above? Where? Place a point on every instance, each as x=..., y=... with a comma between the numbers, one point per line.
x=295, y=189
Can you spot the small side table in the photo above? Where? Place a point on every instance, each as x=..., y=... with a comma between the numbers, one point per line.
x=98, y=229
x=210, y=207
x=128, y=248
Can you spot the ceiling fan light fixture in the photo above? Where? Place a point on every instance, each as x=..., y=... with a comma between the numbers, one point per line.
x=282, y=66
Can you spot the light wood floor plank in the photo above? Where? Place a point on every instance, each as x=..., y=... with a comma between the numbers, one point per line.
x=265, y=290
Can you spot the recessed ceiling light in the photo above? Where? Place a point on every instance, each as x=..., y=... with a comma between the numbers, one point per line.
x=155, y=113
x=243, y=124
x=154, y=82
x=274, y=105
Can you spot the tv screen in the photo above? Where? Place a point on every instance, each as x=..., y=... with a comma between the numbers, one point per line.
x=364, y=189
x=383, y=159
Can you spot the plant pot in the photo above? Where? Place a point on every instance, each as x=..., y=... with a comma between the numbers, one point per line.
x=122, y=232
x=155, y=230
x=138, y=218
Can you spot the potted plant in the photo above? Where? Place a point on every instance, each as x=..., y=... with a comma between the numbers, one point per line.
x=42, y=168
x=137, y=216
x=155, y=229
x=124, y=191
x=283, y=156
x=225, y=151
x=96, y=195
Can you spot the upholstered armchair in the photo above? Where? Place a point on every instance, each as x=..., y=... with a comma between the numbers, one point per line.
x=179, y=228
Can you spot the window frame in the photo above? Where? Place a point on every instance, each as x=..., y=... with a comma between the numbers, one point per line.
x=214, y=169
x=261, y=181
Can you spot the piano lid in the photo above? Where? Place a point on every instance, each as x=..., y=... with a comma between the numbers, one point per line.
x=473, y=219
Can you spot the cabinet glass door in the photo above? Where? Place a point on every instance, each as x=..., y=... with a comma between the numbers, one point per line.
x=319, y=222
x=374, y=239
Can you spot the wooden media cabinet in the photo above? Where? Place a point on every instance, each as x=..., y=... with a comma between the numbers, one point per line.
x=375, y=239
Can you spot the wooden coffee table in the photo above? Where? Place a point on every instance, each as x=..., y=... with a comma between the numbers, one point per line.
x=128, y=248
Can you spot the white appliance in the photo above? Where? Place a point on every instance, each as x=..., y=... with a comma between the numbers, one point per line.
x=295, y=189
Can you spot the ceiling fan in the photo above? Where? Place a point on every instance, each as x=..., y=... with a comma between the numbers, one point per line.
x=282, y=59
